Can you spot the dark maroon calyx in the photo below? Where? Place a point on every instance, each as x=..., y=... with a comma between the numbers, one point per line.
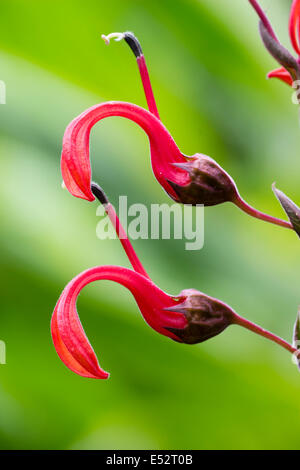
x=206, y=317
x=209, y=183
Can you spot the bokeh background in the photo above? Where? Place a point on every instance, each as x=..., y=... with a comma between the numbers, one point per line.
x=208, y=68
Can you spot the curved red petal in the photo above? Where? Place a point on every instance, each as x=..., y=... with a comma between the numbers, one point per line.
x=282, y=74
x=294, y=25
x=71, y=184
x=75, y=159
x=67, y=357
x=70, y=340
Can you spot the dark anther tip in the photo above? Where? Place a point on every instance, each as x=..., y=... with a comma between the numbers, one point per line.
x=133, y=43
x=99, y=193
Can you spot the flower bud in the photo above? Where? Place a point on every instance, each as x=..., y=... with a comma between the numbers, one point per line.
x=290, y=70
x=206, y=317
x=209, y=183
x=280, y=53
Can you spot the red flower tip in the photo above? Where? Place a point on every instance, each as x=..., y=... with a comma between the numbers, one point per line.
x=282, y=74
x=75, y=159
x=80, y=359
x=294, y=25
x=70, y=341
x=76, y=172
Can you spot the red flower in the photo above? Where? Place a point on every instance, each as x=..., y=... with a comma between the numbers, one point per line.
x=189, y=180
x=68, y=335
x=290, y=70
x=191, y=317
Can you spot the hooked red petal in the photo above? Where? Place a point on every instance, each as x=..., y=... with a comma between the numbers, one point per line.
x=71, y=185
x=294, y=25
x=282, y=74
x=67, y=357
x=75, y=167
x=75, y=159
x=70, y=341
x=69, y=338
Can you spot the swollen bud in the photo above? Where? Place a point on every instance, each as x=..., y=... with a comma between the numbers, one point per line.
x=206, y=317
x=209, y=183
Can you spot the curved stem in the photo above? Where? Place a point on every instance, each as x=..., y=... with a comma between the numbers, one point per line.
x=136, y=48
x=147, y=85
x=122, y=235
x=238, y=320
x=244, y=206
x=263, y=18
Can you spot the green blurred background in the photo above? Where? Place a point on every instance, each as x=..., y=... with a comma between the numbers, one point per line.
x=208, y=69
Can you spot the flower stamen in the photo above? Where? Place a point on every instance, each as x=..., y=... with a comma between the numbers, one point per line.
x=115, y=36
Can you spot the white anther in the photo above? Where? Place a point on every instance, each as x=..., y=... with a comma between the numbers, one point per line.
x=115, y=36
